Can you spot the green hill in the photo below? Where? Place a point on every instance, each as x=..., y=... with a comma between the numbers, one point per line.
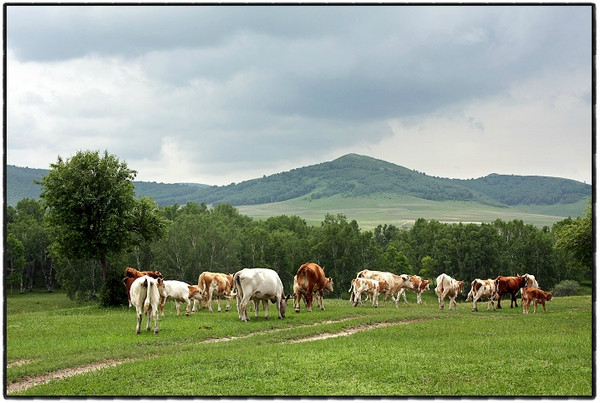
x=350, y=176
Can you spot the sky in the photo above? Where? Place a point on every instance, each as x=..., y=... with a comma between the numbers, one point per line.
x=221, y=94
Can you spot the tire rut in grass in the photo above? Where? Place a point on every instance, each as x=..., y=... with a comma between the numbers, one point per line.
x=31, y=381
x=353, y=330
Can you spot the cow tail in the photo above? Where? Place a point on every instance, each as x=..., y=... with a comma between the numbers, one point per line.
x=238, y=284
x=147, y=284
x=302, y=277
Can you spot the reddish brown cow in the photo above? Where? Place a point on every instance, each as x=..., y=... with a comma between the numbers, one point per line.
x=537, y=296
x=131, y=274
x=309, y=278
x=509, y=285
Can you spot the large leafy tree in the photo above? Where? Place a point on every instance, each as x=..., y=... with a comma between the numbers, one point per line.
x=92, y=210
x=577, y=238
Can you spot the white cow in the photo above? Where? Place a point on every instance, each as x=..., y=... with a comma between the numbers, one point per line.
x=530, y=281
x=259, y=285
x=447, y=287
x=482, y=289
x=146, y=298
x=179, y=292
x=393, y=281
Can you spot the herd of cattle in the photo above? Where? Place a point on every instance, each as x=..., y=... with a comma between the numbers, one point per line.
x=148, y=291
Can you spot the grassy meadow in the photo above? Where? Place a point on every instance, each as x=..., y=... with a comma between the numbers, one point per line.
x=406, y=351
x=402, y=211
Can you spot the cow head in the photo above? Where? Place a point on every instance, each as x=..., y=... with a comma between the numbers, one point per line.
x=425, y=285
x=548, y=296
x=283, y=304
x=328, y=284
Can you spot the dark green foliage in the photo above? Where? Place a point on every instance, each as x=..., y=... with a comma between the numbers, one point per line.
x=565, y=288
x=350, y=176
x=113, y=292
x=513, y=189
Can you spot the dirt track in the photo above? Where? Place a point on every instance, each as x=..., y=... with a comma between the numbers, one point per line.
x=29, y=382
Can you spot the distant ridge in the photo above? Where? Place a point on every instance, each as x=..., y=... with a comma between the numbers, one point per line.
x=351, y=175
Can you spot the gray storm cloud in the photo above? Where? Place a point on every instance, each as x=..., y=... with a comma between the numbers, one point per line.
x=217, y=81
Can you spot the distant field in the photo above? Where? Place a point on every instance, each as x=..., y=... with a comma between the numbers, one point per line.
x=402, y=211
x=56, y=348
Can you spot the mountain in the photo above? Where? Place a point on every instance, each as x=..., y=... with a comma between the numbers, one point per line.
x=349, y=176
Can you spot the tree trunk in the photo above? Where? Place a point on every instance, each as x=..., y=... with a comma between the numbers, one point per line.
x=104, y=266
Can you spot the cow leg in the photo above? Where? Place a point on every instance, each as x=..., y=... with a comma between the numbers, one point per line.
x=162, y=306
x=256, y=303
x=187, y=308
x=498, y=304
x=309, y=298
x=228, y=305
x=148, y=314
x=139, y=322
x=242, y=308
x=514, y=299
x=219, y=304
x=475, y=299
x=209, y=301
x=155, y=315
x=419, y=300
x=265, y=307
x=194, y=307
x=403, y=291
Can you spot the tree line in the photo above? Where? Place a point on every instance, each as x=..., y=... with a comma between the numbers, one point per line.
x=83, y=248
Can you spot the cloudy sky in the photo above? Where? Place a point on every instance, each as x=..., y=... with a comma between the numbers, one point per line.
x=221, y=94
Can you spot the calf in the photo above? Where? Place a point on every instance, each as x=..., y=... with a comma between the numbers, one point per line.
x=537, y=296
x=482, y=289
x=146, y=298
x=416, y=284
x=447, y=287
x=371, y=287
x=216, y=285
x=259, y=285
x=179, y=292
x=393, y=281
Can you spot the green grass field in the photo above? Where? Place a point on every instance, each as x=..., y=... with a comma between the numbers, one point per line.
x=407, y=351
x=402, y=211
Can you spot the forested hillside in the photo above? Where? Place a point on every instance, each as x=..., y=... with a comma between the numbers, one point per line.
x=348, y=176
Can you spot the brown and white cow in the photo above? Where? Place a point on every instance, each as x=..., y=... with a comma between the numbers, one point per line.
x=416, y=284
x=310, y=278
x=179, y=292
x=393, y=281
x=131, y=274
x=215, y=285
x=482, y=289
x=537, y=296
x=146, y=298
x=509, y=285
x=296, y=292
x=447, y=287
x=372, y=288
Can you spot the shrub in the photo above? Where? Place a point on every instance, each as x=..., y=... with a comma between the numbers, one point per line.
x=566, y=287
x=113, y=293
